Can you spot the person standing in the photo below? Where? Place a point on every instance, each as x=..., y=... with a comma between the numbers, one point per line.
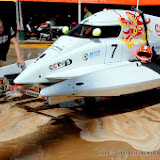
x=133, y=8
x=8, y=35
x=87, y=13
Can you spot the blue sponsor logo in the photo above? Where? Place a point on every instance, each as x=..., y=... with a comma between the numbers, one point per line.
x=91, y=55
x=94, y=54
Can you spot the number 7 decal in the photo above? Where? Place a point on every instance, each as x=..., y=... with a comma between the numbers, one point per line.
x=114, y=45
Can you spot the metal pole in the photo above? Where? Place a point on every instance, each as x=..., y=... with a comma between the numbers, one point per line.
x=137, y=4
x=20, y=16
x=17, y=19
x=79, y=11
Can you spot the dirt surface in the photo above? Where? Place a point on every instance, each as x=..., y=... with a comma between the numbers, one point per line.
x=117, y=128
x=124, y=127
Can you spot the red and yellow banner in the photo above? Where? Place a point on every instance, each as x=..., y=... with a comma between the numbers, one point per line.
x=119, y=2
x=8, y=0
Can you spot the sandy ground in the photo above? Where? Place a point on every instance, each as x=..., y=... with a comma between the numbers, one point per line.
x=117, y=128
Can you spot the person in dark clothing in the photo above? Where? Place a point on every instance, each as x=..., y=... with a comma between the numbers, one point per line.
x=8, y=35
x=133, y=8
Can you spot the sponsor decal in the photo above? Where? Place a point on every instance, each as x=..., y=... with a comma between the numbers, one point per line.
x=91, y=55
x=59, y=65
x=157, y=29
x=85, y=56
x=34, y=93
x=135, y=29
x=94, y=54
x=56, y=48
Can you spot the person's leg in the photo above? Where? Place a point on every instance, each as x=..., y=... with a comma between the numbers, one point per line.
x=1, y=65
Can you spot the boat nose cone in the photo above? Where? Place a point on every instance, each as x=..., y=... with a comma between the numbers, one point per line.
x=21, y=79
x=31, y=76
